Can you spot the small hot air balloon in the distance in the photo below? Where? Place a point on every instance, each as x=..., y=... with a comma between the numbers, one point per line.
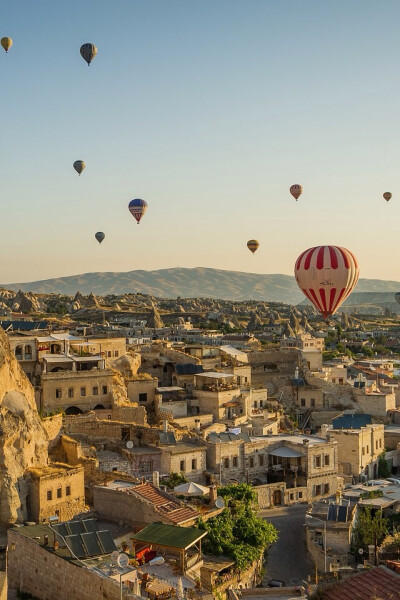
x=137, y=208
x=296, y=190
x=99, y=236
x=88, y=52
x=6, y=42
x=326, y=275
x=253, y=245
x=79, y=165
x=387, y=196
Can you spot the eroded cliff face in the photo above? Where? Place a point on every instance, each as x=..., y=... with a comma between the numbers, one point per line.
x=23, y=441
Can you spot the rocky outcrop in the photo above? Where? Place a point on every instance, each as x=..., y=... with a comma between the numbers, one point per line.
x=128, y=365
x=25, y=303
x=23, y=441
x=154, y=321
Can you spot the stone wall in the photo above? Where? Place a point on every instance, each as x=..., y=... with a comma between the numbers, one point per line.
x=53, y=426
x=92, y=428
x=84, y=390
x=37, y=571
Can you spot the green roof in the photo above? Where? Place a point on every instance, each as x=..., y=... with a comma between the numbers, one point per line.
x=169, y=535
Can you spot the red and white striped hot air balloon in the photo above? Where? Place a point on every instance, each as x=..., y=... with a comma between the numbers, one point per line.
x=326, y=275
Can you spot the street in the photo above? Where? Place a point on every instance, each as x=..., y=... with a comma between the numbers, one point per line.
x=288, y=558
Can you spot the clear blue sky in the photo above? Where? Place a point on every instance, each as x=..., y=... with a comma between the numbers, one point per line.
x=209, y=110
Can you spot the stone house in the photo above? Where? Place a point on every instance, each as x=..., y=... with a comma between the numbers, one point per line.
x=55, y=490
x=187, y=459
x=140, y=504
x=298, y=461
x=142, y=389
x=358, y=451
x=75, y=391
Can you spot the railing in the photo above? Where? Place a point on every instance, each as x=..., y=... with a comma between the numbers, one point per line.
x=193, y=560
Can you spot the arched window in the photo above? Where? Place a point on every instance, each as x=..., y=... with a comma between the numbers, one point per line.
x=28, y=352
x=18, y=352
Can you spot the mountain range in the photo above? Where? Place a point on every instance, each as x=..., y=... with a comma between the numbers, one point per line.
x=198, y=282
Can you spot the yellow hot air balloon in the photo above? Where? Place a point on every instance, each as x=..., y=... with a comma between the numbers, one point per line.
x=387, y=196
x=253, y=245
x=6, y=42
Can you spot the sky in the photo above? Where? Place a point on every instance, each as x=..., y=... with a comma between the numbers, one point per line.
x=209, y=110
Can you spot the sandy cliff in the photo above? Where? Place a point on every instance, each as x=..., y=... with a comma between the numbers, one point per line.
x=23, y=441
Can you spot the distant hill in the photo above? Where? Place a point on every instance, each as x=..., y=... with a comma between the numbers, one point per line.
x=189, y=283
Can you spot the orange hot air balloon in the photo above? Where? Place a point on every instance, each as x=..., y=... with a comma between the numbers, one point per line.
x=387, y=196
x=326, y=275
x=253, y=245
x=296, y=190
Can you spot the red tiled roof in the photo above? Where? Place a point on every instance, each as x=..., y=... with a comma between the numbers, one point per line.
x=165, y=506
x=379, y=583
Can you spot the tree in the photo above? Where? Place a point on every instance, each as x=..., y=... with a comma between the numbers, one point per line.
x=370, y=529
x=175, y=479
x=384, y=469
x=237, y=531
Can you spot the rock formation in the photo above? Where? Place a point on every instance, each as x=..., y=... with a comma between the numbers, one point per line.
x=23, y=441
x=154, y=321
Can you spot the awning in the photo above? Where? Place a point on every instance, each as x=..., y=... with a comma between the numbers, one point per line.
x=285, y=452
x=231, y=404
x=57, y=358
x=239, y=354
x=86, y=358
x=214, y=375
x=172, y=388
x=170, y=536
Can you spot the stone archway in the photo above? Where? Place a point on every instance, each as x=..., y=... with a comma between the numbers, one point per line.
x=277, y=497
x=73, y=410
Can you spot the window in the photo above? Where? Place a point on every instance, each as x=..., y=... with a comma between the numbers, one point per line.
x=327, y=459
x=235, y=461
x=18, y=352
x=251, y=462
x=143, y=397
x=104, y=390
x=116, y=353
x=49, y=495
x=363, y=450
x=303, y=401
x=70, y=392
x=300, y=495
x=59, y=492
x=312, y=401
x=226, y=463
x=182, y=465
x=95, y=391
x=317, y=461
x=58, y=393
x=367, y=449
x=108, y=353
x=261, y=459
x=194, y=464
x=28, y=352
x=380, y=443
x=317, y=490
x=326, y=488
x=83, y=391
x=376, y=445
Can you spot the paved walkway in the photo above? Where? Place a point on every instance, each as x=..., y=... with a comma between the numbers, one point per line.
x=288, y=558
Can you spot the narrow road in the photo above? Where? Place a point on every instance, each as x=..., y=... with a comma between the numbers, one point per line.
x=288, y=558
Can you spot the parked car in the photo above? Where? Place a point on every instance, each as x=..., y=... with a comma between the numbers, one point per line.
x=393, y=480
x=276, y=583
x=375, y=482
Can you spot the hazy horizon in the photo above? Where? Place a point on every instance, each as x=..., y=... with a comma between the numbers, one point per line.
x=209, y=111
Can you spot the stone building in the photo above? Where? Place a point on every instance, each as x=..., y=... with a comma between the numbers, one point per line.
x=358, y=451
x=55, y=490
x=303, y=463
x=75, y=391
x=187, y=459
x=142, y=389
x=302, y=342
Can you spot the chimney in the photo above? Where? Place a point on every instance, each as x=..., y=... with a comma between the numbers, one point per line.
x=339, y=497
x=165, y=426
x=197, y=425
x=156, y=478
x=213, y=494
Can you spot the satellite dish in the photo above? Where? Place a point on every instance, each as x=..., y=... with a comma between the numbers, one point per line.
x=220, y=502
x=360, y=551
x=114, y=557
x=123, y=560
x=129, y=444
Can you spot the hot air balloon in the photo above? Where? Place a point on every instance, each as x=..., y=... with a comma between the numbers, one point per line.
x=296, y=190
x=6, y=42
x=88, y=52
x=137, y=208
x=79, y=165
x=397, y=297
x=253, y=245
x=326, y=275
x=99, y=236
x=387, y=196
